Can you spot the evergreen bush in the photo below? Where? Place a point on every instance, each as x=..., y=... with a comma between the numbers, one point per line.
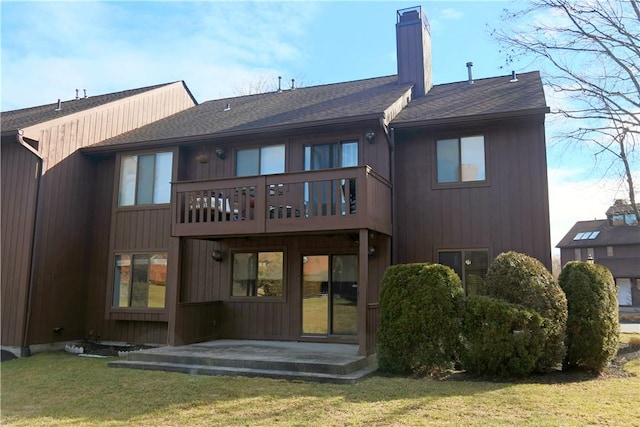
x=520, y=279
x=501, y=338
x=593, y=329
x=421, y=308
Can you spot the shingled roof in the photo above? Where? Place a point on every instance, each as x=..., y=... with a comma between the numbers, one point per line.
x=342, y=102
x=462, y=101
x=302, y=107
x=606, y=236
x=20, y=119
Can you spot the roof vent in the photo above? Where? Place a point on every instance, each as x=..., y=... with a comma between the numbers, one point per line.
x=513, y=77
x=469, y=65
x=59, y=107
x=77, y=94
x=85, y=93
x=293, y=84
x=227, y=107
x=279, y=83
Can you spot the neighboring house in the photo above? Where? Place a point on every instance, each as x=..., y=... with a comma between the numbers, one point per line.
x=49, y=204
x=615, y=243
x=274, y=216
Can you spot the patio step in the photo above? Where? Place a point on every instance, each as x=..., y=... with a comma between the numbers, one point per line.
x=336, y=363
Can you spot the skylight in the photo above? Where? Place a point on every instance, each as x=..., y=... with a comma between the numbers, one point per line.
x=589, y=235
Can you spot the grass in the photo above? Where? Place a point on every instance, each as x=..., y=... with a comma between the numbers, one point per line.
x=59, y=389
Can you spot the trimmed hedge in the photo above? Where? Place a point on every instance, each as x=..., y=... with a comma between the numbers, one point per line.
x=421, y=307
x=520, y=279
x=593, y=328
x=501, y=338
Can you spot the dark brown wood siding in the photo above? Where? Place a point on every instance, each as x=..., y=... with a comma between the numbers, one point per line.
x=100, y=323
x=204, y=279
x=20, y=173
x=68, y=188
x=510, y=211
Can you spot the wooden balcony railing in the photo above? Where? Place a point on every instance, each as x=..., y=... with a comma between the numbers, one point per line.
x=326, y=200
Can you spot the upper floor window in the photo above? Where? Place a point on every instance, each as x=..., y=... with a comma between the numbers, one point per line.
x=140, y=280
x=145, y=179
x=260, y=161
x=333, y=155
x=461, y=159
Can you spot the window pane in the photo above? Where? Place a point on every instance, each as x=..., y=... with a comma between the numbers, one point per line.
x=122, y=281
x=320, y=156
x=344, y=294
x=349, y=154
x=472, y=158
x=270, y=274
x=244, y=275
x=307, y=158
x=476, y=264
x=162, y=178
x=453, y=260
x=144, y=193
x=624, y=291
x=127, y=193
x=272, y=160
x=448, y=160
x=247, y=162
x=157, y=280
x=140, y=281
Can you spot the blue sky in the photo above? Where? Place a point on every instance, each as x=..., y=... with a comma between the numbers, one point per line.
x=50, y=49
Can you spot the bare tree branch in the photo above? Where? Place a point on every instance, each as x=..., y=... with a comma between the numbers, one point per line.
x=592, y=50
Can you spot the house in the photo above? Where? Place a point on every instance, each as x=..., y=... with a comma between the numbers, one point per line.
x=274, y=216
x=615, y=243
x=48, y=203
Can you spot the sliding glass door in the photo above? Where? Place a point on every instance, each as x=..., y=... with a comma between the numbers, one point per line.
x=329, y=294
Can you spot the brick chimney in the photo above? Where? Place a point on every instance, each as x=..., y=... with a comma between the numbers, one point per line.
x=413, y=43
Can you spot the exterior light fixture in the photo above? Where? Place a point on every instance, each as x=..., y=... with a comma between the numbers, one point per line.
x=220, y=153
x=216, y=255
x=371, y=136
x=371, y=251
x=590, y=259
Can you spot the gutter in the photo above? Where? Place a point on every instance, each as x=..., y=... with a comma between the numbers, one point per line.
x=389, y=134
x=25, y=351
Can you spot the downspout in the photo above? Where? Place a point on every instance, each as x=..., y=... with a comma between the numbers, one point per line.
x=389, y=133
x=25, y=351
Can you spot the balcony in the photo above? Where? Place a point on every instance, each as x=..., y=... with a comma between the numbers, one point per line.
x=310, y=201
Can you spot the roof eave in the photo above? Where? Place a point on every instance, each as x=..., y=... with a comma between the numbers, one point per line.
x=476, y=118
x=97, y=149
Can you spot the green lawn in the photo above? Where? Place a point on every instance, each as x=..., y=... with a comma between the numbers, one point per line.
x=56, y=389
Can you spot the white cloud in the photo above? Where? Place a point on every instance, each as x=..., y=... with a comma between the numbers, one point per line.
x=111, y=46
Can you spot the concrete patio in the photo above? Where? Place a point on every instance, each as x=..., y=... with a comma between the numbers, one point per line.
x=337, y=363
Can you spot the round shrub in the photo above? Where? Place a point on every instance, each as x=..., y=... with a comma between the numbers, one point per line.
x=501, y=338
x=593, y=329
x=421, y=308
x=520, y=279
